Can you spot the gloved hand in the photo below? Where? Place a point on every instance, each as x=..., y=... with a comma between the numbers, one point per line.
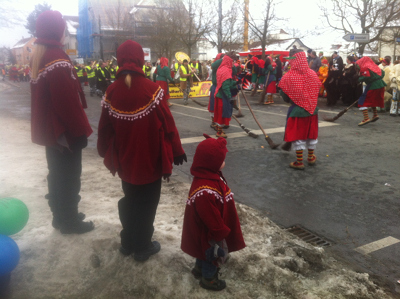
x=166, y=177
x=214, y=252
x=179, y=159
x=80, y=143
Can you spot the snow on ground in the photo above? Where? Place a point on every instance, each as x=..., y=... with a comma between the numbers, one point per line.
x=273, y=265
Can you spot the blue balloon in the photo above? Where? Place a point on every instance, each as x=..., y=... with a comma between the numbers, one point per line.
x=9, y=255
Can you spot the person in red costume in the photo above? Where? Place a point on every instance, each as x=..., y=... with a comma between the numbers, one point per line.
x=138, y=139
x=59, y=122
x=211, y=226
x=300, y=87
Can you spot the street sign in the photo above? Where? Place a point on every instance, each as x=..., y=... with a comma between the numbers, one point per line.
x=147, y=54
x=357, y=37
x=397, y=39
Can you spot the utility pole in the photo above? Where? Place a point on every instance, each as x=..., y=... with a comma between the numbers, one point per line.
x=246, y=26
x=219, y=26
x=101, y=41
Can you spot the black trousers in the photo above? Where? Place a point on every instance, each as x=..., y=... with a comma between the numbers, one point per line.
x=137, y=210
x=64, y=182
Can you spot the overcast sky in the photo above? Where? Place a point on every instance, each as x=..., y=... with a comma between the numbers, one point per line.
x=302, y=15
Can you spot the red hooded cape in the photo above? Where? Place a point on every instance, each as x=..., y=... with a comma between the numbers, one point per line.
x=57, y=99
x=224, y=72
x=210, y=213
x=137, y=134
x=301, y=83
x=366, y=64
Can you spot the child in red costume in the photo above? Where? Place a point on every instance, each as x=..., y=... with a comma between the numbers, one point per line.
x=211, y=225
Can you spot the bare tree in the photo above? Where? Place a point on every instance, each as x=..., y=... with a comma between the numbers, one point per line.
x=9, y=15
x=192, y=21
x=261, y=28
x=163, y=39
x=361, y=16
x=232, y=28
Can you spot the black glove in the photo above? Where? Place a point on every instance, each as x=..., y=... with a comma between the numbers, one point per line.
x=214, y=252
x=80, y=143
x=179, y=159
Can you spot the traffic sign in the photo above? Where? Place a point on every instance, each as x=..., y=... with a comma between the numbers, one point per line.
x=357, y=37
x=397, y=39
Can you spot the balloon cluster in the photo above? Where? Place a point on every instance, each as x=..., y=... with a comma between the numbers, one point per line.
x=13, y=217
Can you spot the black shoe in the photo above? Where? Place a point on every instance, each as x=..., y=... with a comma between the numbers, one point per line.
x=76, y=227
x=196, y=271
x=225, y=127
x=125, y=251
x=144, y=255
x=56, y=222
x=213, y=284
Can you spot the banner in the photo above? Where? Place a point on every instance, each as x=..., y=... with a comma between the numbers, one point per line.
x=199, y=90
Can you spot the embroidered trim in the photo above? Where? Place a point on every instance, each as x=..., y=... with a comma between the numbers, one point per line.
x=139, y=113
x=210, y=190
x=51, y=66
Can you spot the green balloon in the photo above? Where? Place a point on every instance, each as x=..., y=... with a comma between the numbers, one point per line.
x=14, y=215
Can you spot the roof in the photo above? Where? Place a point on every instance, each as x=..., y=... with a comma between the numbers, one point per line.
x=22, y=42
x=72, y=24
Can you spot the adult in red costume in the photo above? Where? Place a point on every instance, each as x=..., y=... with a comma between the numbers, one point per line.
x=59, y=122
x=210, y=215
x=373, y=95
x=163, y=76
x=300, y=87
x=223, y=106
x=138, y=139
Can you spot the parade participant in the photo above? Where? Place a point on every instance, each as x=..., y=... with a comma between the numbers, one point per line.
x=26, y=73
x=322, y=76
x=91, y=74
x=163, y=76
x=373, y=95
x=147, y=70
x=300, y=87
x=59, y=122
x=185, y=74
x=176, y=68
x=214, y=67
x=223, y=106
x=210, y=223
x=172, y=68
x=254, y=75
x=103, y=78
x=3, y=73
x=138, y=139
x=269, y=69
x=278, y=69
x=332, y=84
x=112, y=72
x=13, y=73
x=261, y=73
x=315, y=62
x=79, y=72
x=351, y=88
x=195, y=69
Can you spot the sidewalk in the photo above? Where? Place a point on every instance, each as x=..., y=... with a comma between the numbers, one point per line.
x=274, y=264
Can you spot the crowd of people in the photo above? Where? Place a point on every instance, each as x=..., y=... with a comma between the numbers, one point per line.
x=16, y=73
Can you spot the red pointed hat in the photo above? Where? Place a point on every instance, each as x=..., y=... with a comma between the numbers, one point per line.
x=50, y=27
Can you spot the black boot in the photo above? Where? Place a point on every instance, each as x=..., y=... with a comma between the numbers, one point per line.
x=213, y=284
x=76, y=226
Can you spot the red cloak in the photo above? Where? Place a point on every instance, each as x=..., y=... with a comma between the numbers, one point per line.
x=137, y=134
x=210, y=213
x=57, y=101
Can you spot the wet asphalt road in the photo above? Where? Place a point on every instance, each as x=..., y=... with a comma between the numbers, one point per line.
x=351, y=197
